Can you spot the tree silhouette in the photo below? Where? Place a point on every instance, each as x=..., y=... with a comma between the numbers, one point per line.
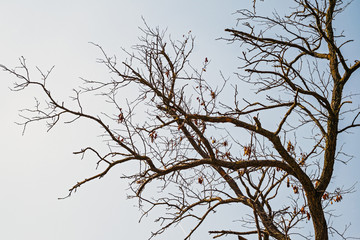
x=274, y=155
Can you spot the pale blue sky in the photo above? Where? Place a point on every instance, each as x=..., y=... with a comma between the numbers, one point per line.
x=39, y=167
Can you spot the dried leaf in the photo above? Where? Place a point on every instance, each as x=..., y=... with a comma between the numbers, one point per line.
x=200, y=180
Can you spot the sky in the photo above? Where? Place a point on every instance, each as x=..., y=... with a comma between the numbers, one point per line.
x=38, y=167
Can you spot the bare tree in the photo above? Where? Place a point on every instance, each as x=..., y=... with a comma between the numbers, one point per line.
x=204, y=151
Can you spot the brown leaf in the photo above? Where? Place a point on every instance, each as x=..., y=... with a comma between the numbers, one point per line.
x=200, y=180
x=302, y=210
x=290, y=148
x=247, y=151
x=296, y=189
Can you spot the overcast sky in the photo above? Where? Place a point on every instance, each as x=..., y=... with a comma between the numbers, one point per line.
x=39, y=167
